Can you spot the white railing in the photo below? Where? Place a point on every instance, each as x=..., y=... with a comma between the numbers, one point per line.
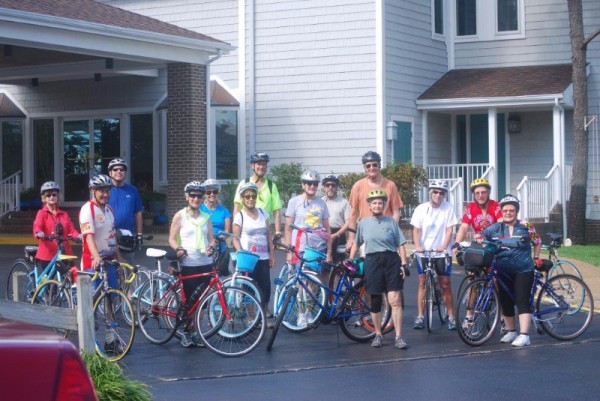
x=455, y=195
x=538, y=195
x=10, y=191
x=465, y=172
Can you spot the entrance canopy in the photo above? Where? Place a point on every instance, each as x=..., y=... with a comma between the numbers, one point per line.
x=45, y=40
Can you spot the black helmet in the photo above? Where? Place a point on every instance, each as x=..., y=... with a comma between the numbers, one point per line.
x=371, y=156
x=330, y=178
x=259, y=157
x=126, y=240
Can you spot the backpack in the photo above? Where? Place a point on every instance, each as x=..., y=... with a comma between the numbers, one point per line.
x=269, y=183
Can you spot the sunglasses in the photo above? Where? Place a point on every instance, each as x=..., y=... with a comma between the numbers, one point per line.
x=330, y=185
x=249, y=196
x=105, y=191
x=118, y=169
x=195, y=196
x=212, y=192
x=312, y=183
x=370, y=165
x=52, y=195
x=437, y=192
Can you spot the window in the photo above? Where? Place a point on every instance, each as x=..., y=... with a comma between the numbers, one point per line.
x=508, y=12
x=43, y=151
x=141, y=151
x=226, y=128
x=438, y=17
x=12, y=147
x=466, y=17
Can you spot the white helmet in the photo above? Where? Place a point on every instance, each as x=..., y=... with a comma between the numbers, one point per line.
x=211, y=183
x=49, y=186
x=438, y=184
x=248, y=186
x=310, y=175
x=194, y=186
x=100, y=181
x=117, y=162
x=510, y=200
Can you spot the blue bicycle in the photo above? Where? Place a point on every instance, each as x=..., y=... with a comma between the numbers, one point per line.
x=562, y=306
x=56, y=269
x=304, y=294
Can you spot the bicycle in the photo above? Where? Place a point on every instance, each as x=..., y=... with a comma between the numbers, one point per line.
x=433, y=294
x=558, y=266
x=230, y=320
x=56, y=268
x=562, y=305
x=305, y=293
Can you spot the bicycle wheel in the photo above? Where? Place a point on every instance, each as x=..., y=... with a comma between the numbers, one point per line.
x=477, y=312
x=285, y=274
x=284, y=308
x=306, y=304
x=334, y=278
x=113, y=335
x=131, y=290
x=564, y=307
x=237, y=334
x=20, y=266
x=564, y=267
x=385, y=308
x=53, y=293
x=156, y=309
x=245, y=282
x=440, y=304
x=355, y=316
x=429, y=301
x=463, y=283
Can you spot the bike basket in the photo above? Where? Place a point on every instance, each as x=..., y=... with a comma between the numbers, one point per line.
x=246, y=261
x=355, y=267
x=314, y=258
x=477, y=256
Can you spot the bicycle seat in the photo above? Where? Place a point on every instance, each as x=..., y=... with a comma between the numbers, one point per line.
x=30, y=252
x=555, y=237
x=155, y=253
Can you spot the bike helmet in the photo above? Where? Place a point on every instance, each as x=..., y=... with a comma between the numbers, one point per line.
x=211, y=183
x=510, y=200
x=117, y=162
x=259, y=157
x=100, y=181
x=377, y=194
x=49, y=186
x=126, y=240
x=371, y=156
x=247, y=186
x=480, y=182
x=310, y=175
x=330, y=178
x=194, y=186
x=438, y=184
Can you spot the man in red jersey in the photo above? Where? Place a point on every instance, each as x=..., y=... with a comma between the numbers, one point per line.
x=481, y=213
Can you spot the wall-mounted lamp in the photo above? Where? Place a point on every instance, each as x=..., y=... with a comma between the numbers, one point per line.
x=97, y=77
x=108, y=63
x=514, y=125
x=391, y=130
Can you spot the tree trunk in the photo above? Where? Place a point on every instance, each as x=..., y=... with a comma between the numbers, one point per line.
x=577, y=201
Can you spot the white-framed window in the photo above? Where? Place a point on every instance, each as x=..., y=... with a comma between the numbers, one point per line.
x=486, y=20
x=226, y=122
x=437, y=17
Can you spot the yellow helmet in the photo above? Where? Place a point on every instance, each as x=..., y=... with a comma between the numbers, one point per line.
x=377, y=194
x=480, y=182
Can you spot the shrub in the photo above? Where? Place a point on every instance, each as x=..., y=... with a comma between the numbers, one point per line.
x=287, y=177
x=347, y=180
x=227, y=194
x=111, y=383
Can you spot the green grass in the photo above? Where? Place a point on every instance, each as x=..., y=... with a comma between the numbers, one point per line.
x=585, y=253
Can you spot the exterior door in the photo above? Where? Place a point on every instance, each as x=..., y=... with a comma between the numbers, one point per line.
x=88, y=146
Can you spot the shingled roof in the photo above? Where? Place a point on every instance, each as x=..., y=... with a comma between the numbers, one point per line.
x=500, y=82
x=93, y=11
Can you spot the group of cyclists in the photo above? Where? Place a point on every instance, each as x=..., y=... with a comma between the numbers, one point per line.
x=367, y=223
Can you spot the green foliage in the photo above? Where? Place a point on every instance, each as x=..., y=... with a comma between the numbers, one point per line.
x=227, y=194
x=408, y=178
x=149, y=196
x=347, y=180
x=30, y=193
x=287, y=177
x=110, y=382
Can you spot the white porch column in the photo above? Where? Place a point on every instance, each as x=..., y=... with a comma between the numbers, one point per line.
x=425, y=136
x=557, y=151
x=493, y=149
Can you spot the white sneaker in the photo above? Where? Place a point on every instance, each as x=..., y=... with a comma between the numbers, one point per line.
x=509, y=337
x=302, y=321
x=521, y=341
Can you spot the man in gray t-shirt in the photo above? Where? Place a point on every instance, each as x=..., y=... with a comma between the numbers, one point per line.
x=339, y=214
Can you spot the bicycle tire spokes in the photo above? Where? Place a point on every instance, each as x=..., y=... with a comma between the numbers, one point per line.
x=477, y=312
x=156, y=310
x=113, y=334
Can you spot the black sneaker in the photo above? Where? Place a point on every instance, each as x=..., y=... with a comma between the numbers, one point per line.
x=113, y=347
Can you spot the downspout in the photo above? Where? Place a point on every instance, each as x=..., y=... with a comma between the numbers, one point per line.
x=562, y=167
x=211, y=139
